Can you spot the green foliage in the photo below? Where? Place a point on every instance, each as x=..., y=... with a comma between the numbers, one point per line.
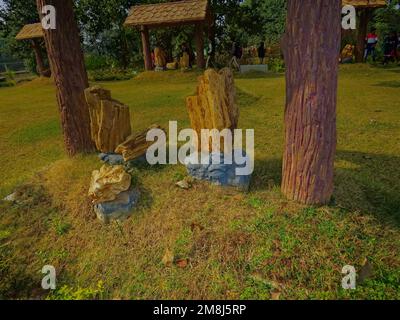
x=111, y=74
x=70, y=293
x=276, y=65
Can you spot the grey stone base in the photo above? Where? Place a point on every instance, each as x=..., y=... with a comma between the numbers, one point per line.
x=120, y=209
x=116, y=159
x=218, y=173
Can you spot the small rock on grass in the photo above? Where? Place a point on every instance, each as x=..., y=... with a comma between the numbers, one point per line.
x=184, y=184
x=168, y=258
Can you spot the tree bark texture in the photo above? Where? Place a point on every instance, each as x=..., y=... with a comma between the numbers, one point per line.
x=69, y=72
x=312, y=45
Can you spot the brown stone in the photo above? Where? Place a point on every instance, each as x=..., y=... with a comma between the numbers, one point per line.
x=214, y=106
x=109, y=119
x=160, y=58
x=108, y=182
x=184, y=61
x=135, y=145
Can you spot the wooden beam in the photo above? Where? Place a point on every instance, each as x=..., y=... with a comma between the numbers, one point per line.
x=148, y=63
x=199, y=30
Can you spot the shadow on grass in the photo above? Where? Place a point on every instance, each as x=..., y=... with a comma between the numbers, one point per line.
x=388, y=84
x=369, y=183
x=259, y=75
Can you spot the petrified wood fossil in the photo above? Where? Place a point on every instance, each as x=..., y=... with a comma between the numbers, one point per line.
x=109, y=119
x=108, y=182
x=136, y=145
x=214, y=106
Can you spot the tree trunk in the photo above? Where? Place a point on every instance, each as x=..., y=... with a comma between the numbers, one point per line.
x=363, y=20
x=68, y=68
x=39, y=58
x=312, y=47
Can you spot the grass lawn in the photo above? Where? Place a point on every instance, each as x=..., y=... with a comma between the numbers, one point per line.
x=254, y=245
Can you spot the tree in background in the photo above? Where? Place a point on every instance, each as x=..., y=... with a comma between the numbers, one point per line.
x=69, y=72
x=311, y=49
x=13, y=16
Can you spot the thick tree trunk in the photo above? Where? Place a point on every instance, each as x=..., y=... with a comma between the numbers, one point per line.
x=312, y=47
x=68, y=68
x=363, y=19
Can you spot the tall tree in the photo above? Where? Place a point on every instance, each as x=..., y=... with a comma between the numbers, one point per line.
x=68, y=68
x=311, y=47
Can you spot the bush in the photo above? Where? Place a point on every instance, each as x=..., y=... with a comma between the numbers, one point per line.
x=97, y=62
x=111, y=74
x=276, y=65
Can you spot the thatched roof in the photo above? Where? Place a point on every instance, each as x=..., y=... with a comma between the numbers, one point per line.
x=366, y=3
x=30, y=31
x=169, y=13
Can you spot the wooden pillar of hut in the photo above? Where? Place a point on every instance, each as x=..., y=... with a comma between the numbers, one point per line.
x=199, y=34
x=39, y=58
x=148, y=64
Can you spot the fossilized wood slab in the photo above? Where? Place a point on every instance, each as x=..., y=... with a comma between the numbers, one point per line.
x=160, y=58
x=108, y=182
x=109, y=119
x=214, y=106
x=136, y=145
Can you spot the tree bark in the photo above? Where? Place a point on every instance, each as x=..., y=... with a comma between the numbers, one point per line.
x=363, y=20
x=312, y=45
x=148, y=63
x=69, y=72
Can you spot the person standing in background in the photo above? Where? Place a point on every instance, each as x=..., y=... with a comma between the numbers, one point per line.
x=261, y=52
x=372, y=40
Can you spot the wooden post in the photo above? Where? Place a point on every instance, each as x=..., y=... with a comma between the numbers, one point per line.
x=148, y=63
x=39, y=58
x=200, y=46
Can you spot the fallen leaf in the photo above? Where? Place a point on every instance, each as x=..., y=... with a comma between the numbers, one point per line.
x=168, y=258
x=182, y=263
x=195, y=226
x=275, y=295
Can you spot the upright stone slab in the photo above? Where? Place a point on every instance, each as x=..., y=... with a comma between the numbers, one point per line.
x=109, y=119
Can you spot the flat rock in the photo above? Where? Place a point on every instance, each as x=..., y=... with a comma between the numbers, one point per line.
x=219, y=173
x=112, y=159
x=119, y=209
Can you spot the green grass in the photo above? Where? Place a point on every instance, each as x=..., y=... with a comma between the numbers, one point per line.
x=254, y=245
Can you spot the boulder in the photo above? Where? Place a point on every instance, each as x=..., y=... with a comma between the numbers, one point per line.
x=135, y=145
x=119, y=209
x=214, y=106
x=217, y=172
x=108, y=182
x=109, y=119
